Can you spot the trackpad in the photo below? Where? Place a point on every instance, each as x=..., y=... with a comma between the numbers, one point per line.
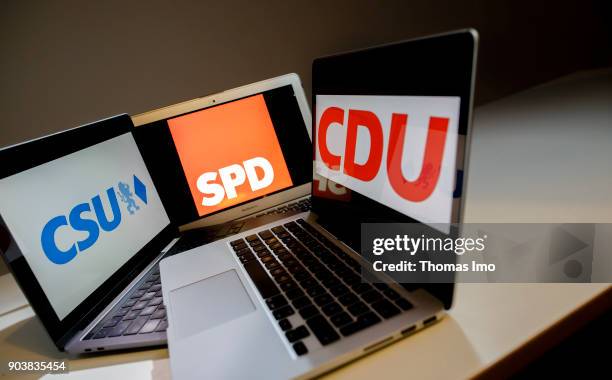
x=209, y=303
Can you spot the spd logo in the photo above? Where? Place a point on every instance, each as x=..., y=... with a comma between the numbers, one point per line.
x=90, y=217
x=229, y=153
x=397, y=150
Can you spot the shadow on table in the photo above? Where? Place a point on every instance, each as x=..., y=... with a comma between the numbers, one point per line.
x=27, y=340
x=426, y=354
x=421, y=352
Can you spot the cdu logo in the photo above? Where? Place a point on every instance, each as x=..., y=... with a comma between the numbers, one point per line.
x=80, y=219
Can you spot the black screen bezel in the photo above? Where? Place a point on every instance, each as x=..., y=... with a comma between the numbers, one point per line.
x=158, y=149
x=441, y=65
x=33, y=153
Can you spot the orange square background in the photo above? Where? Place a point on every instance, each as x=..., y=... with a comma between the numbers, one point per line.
x=228, y=134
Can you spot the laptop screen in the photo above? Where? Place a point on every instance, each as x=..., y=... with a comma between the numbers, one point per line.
x=390, y=129
x=399, y=151
x=230, y=154
x=78, y=218
x=223, y=156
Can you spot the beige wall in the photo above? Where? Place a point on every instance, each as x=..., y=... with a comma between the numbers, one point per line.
x=67, y=62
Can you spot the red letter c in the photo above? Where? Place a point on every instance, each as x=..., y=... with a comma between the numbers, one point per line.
x=329, y=116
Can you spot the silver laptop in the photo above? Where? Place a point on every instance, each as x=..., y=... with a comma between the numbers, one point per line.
x=86, y=214
x=289, y=299
x=194, y=150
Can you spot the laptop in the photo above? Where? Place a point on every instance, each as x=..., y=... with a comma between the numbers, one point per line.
x=86, y=214
x=219, y=141
x=294, y=298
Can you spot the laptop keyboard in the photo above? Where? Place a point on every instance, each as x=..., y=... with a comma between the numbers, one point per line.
x=298, y=271
x=143, y=311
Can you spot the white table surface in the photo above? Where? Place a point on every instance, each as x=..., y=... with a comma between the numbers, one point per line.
x=525, y=166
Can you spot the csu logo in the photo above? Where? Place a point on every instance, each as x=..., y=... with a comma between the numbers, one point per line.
x=86, y=223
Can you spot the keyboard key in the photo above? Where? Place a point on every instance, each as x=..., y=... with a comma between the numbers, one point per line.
x=148, y=310
x=246, y=258
x=159, y=314
x=267, y=234
x=289, y=285
x=119, y=329
x=385, y=308
x=302, y=276
x=309, y=283
x=150, y=326
x=341, y=319
x=267, y=259
x=296, y=334
x=290, y=225
x=274, y=244
x=301, y=302
x=362, y=288
x=381, y=286
x=323, y=299
x=131, y=315
x=136, y=325
x=316, y=291
x=240, y=246
x=403, y=303
x=339, y=290
x=286, y=258
x=351, y=278
x=284, y=324
x=294, y=294
x=331, y=309
x=371, y=296
x=271, y=265
x=252, y=238
x=163, y=325
x=293, y=265
x=112, y=322
x=281, y=278
x=148, y=296
x=267, y=288
x=131, y=302
x=300, y=348
x=255, y=243
x=276, y=301
x=362, y=322
x=264, y=253
x=392, y=294
x=331, y=282
x=138, y=294
x=102, y=333
x=156, y=301
x=324, y=332
x=236, y=242
x=358, y=308
x=140, y=305
x=283, y=312
x=277, y=272
x=259, y=248
x=308, y=311
x=348, y=299
x=243, y=251
x=278, y=229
